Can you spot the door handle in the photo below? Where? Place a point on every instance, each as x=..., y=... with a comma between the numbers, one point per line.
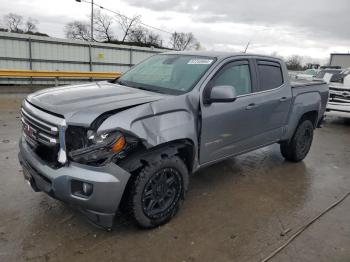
x=251, y=106
x=283, y=99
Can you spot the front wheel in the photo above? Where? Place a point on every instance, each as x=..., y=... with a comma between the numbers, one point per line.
x=298, y=147
x=157, y=191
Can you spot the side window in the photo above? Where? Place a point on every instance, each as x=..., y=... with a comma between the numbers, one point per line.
x=235, y=75
x=270, y=75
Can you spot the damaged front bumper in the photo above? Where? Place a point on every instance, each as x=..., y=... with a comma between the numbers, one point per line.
x=107, y=184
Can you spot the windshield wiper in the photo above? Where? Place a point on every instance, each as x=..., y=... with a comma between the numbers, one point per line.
x=141, y=87
x=147, y=88
x=123, y=83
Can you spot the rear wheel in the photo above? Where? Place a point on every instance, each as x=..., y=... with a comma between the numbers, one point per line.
x=298, y=147
x=157, y=191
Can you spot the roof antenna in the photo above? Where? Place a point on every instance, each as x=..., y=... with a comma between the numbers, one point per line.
x=246, y=48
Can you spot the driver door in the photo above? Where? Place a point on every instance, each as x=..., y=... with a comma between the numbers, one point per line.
x=230, y=128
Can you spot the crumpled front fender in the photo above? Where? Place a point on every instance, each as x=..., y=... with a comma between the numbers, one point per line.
x=158, y=122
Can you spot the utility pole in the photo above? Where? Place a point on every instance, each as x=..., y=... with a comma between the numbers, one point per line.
x=92, y=20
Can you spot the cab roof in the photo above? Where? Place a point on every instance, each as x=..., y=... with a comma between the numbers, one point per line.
x=219, y=54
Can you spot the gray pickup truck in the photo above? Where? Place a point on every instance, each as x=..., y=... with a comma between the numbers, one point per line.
x=131, y=143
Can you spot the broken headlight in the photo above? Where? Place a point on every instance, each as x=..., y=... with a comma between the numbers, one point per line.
x=102, y=148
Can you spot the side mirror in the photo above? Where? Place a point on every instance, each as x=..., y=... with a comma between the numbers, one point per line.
x=222, y=94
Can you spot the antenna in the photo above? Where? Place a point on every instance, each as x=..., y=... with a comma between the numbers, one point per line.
x=246, y=48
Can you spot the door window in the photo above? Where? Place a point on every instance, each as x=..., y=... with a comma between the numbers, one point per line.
x=235, y=75
x=270, y=75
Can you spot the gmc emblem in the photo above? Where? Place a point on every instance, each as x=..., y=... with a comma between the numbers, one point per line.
x=29, y=131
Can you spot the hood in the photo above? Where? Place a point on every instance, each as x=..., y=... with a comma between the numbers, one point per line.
x=81, y=104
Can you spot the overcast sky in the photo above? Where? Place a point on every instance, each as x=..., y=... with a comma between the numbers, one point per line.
x=305, y=27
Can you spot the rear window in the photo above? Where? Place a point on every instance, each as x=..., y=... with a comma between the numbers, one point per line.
x=270, y=75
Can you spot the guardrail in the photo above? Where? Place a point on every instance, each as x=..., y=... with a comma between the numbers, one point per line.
x=44, y=73
x=56, y=74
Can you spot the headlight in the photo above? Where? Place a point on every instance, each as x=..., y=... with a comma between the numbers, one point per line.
x=114, y=139
x=101, y=148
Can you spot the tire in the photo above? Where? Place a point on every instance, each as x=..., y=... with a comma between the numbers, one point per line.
x=163, y=181
x=299, y=146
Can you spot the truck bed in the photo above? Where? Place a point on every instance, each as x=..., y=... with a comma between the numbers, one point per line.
x=302, y=82
x=304, y=89
x=305, y=86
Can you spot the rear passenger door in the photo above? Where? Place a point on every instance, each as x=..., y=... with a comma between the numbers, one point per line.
x=273, y=99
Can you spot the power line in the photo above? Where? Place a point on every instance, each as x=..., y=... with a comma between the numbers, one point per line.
x=128, y=18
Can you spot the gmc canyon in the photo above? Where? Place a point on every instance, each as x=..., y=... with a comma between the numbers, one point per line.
x=131, y=143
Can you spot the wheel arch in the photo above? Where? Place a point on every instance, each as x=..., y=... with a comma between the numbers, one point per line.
x=305, y=106
x=312, y=115
x=185, y=149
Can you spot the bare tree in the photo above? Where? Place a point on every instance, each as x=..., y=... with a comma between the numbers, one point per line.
x=142, y=35
x=128, y=25
x=103, y=26
x=183, y=41
x=137, y=34
x=197, y=46
x=14, y=22
x=153, y=39
x=77, y=30
x=294, y=63
x=31, y=25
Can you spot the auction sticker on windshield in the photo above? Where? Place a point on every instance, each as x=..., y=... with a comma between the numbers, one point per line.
x=200, y=62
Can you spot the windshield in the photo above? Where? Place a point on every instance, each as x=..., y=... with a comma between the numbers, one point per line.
x=310, y=72
x=322, y=73
x=170, y=74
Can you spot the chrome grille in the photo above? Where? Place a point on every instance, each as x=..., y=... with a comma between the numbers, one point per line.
x=338, y=95
x=45, y=132
x=38, y=130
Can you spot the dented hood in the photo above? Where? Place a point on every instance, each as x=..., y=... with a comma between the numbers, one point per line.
x=81, y=104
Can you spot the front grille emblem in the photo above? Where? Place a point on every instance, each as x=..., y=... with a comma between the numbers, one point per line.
x=346, y=94
x=29, y=131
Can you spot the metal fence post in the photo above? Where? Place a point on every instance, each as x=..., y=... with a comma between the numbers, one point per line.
x=30, y=58
x=130, y=58
x=90, y=59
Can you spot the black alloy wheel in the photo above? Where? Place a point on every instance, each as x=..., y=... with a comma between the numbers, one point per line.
x=161, y=192
x=157, y=191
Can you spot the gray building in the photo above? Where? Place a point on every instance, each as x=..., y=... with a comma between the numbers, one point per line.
x=342, y=60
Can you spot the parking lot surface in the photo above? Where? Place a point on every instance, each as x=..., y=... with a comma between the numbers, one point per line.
x=234, y=211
